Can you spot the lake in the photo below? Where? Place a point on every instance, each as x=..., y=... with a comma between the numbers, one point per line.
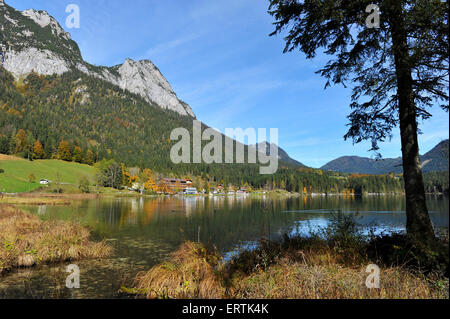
x=144, y=231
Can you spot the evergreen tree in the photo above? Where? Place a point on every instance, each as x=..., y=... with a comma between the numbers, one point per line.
x=109, y=174
x=399, y=68
x=4, y=144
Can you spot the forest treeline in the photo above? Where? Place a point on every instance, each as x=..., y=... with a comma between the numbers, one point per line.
x=75, y=117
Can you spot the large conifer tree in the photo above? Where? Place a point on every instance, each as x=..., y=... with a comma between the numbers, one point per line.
x=397, y=70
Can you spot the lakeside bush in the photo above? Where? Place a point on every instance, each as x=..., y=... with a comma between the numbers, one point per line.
x=26, y=241
x=84, y=185
x=400, y=250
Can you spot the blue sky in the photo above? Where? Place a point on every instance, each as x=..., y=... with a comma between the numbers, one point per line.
x=218, y=57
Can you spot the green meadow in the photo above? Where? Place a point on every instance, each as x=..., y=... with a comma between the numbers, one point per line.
x=15, y=178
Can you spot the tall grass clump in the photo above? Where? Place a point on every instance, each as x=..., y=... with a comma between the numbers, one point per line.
x=302, y=280
x=26, y=241
x=191, y=273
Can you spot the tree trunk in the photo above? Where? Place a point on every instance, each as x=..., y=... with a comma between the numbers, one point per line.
x=418, y=223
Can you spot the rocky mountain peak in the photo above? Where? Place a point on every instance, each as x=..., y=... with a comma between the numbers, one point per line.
x=33, y=41
x=145, y=79
x=44, y=19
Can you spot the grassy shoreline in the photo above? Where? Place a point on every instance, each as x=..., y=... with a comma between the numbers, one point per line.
x=26, y=241
x=330, y=265
x=15, y=200
x=194, y=273
x=44, y=198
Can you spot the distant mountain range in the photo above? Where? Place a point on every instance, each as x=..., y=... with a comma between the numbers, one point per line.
x=434, y=161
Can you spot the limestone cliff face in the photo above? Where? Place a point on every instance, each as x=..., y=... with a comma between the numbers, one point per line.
x=34, y=60
x=33, y=41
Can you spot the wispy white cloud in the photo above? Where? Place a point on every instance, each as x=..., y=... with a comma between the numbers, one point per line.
x=170, y=46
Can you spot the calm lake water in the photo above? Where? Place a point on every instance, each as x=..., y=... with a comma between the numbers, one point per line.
x=144, y=231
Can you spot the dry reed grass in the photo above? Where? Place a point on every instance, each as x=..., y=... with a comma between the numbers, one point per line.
x=309, y=281
x=191, y=273
x=59, y=196
x=16, y=200
x=278, y=270
x=26, y=241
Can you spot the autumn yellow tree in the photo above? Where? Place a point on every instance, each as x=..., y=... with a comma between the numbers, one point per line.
x=147, y=174
x=77, y=154
x=90, y=160
x=64, y=152
x=149, y=180
x=38, y=150
x=150, y=185
x=126, y=177
x=21, y=141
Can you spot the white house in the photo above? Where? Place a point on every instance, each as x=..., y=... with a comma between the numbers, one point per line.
x=44, y=182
